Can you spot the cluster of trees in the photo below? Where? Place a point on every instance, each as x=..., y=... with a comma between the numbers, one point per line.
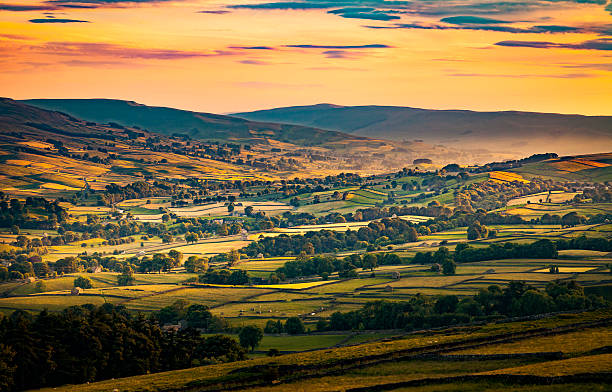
x=20, y=266
x=88, y=343
x=140, y=189
x=516, y=299
x=489, y=195
x=160, y=262
x=541, y=249
x=191, y=316
x=324, y=265
x=598, y=193
x=223, y=276
x=476, y=231
x=34, y=213
x=292, y=326
x=384, y=232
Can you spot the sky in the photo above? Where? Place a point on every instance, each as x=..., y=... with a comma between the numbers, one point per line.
x=225, y=56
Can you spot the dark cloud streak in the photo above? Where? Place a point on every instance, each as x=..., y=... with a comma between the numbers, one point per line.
x=57, y=20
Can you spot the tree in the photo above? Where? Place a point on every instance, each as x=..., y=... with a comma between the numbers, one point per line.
x=369, y=261
x=248, y=210
x=572, y=219
x=449, y=267
x=250, y=336
x=230, y=207
x=198, y=316
x=294, y=326
x=233, y=257
x=191, y=237
x=176, y=256
x=195, y=264
x=83, y=282
x=446, y=304
x=7, y=367
x=412, y=235
x=127, y=276
x=41, y=269
x=442, y=255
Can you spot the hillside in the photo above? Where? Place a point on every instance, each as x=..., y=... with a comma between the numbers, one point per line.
x=337, y=150
x=203, y=126
x=46, y=152
x=489, y=357
x=516, y=131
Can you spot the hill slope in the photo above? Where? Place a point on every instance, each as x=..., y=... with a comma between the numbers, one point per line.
x=203, y=126
x=519, y=131
x=47, y=152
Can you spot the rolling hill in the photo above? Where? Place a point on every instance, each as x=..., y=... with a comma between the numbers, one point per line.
x=203, y=126
x=523, y=132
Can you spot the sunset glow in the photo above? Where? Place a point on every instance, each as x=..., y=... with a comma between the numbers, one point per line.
x=242, y=55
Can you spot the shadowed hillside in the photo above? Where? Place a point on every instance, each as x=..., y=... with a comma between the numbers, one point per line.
x=204, y=126
x=516, y=131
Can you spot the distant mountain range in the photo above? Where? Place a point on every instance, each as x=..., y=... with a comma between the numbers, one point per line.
x=203, y=126
x=522, y=132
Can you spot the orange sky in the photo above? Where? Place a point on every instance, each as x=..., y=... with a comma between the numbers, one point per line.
x=550, y=56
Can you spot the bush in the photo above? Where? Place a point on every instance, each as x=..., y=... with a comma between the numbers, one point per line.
x=83, y=282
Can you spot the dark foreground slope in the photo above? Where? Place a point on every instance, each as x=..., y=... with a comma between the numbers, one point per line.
x=466, y=358
x=204, y=126
x=519, y=131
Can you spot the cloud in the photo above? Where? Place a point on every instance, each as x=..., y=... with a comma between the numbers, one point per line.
x=253, y=62
x=377, y=15
x=597, y=66
x=89, y=49
x=503, y=29
x=561, y=76
x=56, y=20
x=365, y=13
x=337, y=54
x=286, y=5
x=216, y=12
x=15, y=37
x=460, y=20
x=369, y=46
x=78, y=2
x=252, y=47
x=19, y=7
x=596, y=44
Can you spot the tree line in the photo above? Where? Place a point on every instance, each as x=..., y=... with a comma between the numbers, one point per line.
x=88, y=343
x=493, y=302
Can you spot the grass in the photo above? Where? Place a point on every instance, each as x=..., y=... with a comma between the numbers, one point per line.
x=587, y=364
x=331, y=359
x=299, y=343
x=574, y=342
x=205, y=296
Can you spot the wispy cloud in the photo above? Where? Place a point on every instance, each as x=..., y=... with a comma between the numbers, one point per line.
x=252, y=47
x=253, y=62
x=596, y=44
x=368, y=46
x=484, y=27
x=560, y=76
x=21, y=7
x=123, y=52
x=57, y=20
x=215, y=12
